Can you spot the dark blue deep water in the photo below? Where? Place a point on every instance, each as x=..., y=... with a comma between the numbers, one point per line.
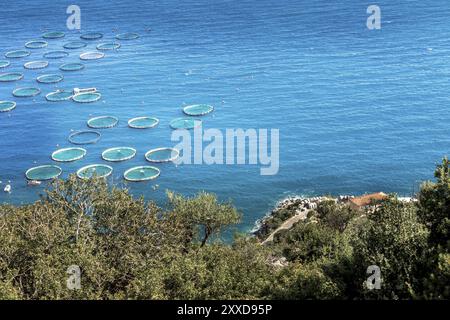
x=358, y=110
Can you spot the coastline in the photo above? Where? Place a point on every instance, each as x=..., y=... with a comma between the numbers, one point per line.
x=295, y=208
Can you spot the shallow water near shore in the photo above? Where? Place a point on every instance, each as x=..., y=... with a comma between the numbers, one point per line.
x=358, y=110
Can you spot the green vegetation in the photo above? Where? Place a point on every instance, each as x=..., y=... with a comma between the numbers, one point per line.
x=127, y=248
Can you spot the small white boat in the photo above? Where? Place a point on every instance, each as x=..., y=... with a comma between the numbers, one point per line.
x=86, y=90
x=34, y=183
x=7, y=188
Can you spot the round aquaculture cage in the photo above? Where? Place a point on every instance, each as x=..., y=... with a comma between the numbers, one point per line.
x=71, y=67
x=36, y=65
x=103, y=122
x=74, y=45
x=55, y=54
x=162, y=155
x=118, y=154
x=108, y=46
x=142, y=173
x=50, y=78
x=184, y=123
x=4, y=63
x=92, y=55
x=87, y=97
x=53, y=35
x=143, y=122
x=68, y=154
x=43, y=173
x=198, y=109
x=59, y=96
x=127, y=36
x=17, y=54
x=6, y=106
x=94, y=170
x=91, y=36
x=84, y=137
x=36, y=44
x=26, y=92
x=12, y=76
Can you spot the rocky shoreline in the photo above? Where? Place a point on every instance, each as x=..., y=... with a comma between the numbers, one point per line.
x=298, y=206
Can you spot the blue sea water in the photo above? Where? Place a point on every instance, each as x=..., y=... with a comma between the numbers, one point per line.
x=358, y=110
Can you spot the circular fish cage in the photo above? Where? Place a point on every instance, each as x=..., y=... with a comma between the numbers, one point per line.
x=6, y=106
x=84, y=137
x=9, y=77
x=68, y=154
x=94, y=170
x=74, y=45
x=118, y=154
x=108, y=46
x=59, y=95
x=127, y=36
x=141, y=173
x=26, y=92
x=91, y=36
x=16, y=54
x=53, y=35
x=143, y=122
x=38, y=44
x=92, y=55
x=36, y=65
x=50, y=78
x=42, y=173
x=198, y=109
x=71, y=67
x=55, y=54
x=184, y=123
x=4, y=64
x=162, y=155
x=87, y=97
x=103, y=122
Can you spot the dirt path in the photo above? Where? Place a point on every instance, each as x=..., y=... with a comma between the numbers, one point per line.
x=287, y=225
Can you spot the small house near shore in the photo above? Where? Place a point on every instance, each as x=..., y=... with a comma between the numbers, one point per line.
x=367, y=200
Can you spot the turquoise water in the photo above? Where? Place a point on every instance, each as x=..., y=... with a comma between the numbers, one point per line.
x=358, y=110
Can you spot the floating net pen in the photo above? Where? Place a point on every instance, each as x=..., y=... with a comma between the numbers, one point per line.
x=38, y=44
x=26, y=92
x=68, y=154
x=198, y=109
x=59, y=95
x=143, y=122
x=87, y=97
x=71, y=67
x=94, y=170
x=91, y=36
x=42, y=173
x=6, y=106
x=50, y=78
x=102, y=122
x=36, y=65
x=16, y=54
x=108, y=46
x=162, y=155
x=85, y=137
x=53, y=35
x=118, y=154
x=9, y=77
x=142, y=173
x=55, y=54
x=127, y=36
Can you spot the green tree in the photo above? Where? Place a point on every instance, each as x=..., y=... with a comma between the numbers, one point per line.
x=202, y=215
x=394, y=240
